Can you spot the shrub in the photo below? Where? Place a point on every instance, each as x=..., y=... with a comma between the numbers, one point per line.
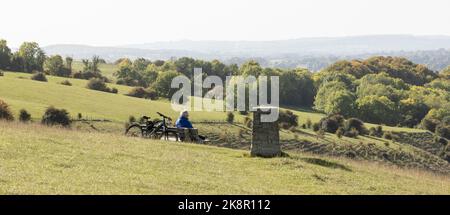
x=373, y=131
x=5, y=112
x=388, y=135
x=440, y=140
x=39, y=76
x=140, y=92
x=443, y=131
x=53, y=116
x=114, y=90
x=356, y=124
x=316, y=126
x=429, y=124
x=230, y=117
x=304, y=126
x=1, y=73
x=97, y=84
x=24, y=116
x=352, y=133
x=331, y=123
x=79, y=116
x=66, y=82
x=379, y=130
x=339, y=132
x=288, y=118
x=376, y=131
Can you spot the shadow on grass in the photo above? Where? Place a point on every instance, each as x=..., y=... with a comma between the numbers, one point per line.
x=325, y=163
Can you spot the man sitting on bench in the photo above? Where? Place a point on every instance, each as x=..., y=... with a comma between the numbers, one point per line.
x=186, y=128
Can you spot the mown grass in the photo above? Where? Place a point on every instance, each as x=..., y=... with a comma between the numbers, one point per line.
x=41, y=160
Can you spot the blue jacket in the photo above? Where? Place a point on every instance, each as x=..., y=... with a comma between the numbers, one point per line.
x=183, y=122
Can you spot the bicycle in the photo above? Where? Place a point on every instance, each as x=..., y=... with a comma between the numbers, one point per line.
x=153, y=129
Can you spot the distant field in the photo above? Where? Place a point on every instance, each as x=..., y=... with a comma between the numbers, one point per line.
x=21, y=92
x=107, y=70
x=41, y=160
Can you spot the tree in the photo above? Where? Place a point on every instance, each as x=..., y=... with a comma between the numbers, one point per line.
x=296, y=88
x=33, y=57
x=377, y=109
x=411, y=112
x=250, y=68
x=69, y=62
x=54, y=65
x=163, y=82
x=5, y=55
x=334, y=98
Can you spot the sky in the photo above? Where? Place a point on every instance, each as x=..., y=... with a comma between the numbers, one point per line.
x=121, y=22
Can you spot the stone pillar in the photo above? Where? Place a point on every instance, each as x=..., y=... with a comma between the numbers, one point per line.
x=265, y=135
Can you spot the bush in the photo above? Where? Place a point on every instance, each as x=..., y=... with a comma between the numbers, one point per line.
x=1, y=73
x=100, y=85
x=316, y=126
x=230, y=117
x=114, y=90
x=79, y=116
x=376, y=131
x=24, y=116
x=443, y=131
x=5, y=112
x=388, y=135
x=339, y=132
x=429, y=124
x=356, y=124
x=331, y=123
x=140, y=92
x=287, y=119
x=352, y=133
x=53, y=116
x=441, y=140
x=66, y=82
x=39, y=76
x=97, y=84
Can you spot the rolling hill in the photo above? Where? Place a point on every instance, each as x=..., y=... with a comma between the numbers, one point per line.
x=375, y=162
x=41, y=160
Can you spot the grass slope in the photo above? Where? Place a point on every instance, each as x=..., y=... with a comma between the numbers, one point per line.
x=41, y=160
x=21, y=92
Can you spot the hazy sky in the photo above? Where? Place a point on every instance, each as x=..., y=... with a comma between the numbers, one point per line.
x=118, y=22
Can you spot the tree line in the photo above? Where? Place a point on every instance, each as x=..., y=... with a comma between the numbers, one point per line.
x=383, y=90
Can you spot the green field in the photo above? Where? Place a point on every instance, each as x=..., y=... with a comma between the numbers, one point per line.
x=73, y=158
x=21, y=92
x=40, y=160
x=108, y=70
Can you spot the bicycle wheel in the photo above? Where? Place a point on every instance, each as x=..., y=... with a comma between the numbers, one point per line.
x=134, y=131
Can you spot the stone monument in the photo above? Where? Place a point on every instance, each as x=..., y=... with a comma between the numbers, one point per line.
x=265, y=135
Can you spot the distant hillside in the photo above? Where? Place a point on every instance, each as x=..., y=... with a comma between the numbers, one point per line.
x=320, y=45
x=312, y=53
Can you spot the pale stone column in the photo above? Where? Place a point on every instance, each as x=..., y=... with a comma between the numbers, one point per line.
x=265, y=135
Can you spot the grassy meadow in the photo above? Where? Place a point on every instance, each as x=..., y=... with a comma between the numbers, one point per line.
x=41, y=160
